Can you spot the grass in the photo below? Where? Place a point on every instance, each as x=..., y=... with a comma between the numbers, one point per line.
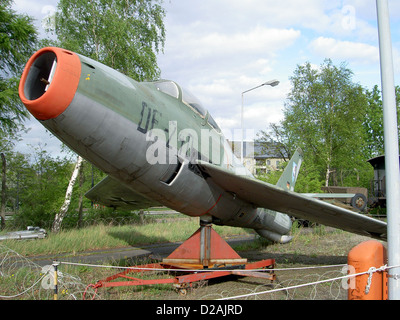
x=105, y=236
x=319, y=246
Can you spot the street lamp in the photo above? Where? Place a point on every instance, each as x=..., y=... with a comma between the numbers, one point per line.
x=272, y=83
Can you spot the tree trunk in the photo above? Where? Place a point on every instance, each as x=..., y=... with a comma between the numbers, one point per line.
x=64, y=208
x=3, y=192
x=327, y=177
x=80, y=203
x=328, y=168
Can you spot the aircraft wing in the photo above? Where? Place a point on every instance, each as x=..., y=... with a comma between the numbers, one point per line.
x=268, y=196
x=112, y=193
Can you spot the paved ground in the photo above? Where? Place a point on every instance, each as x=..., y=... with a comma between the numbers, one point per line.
x=157, y=251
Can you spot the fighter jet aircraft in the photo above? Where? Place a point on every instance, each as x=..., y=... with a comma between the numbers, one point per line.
x=160, y=146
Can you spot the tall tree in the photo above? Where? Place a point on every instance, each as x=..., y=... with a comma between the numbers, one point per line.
x=323, y=115
x=18, y=38
x=41, y=182
x=17, y=41
x=373, y=123
x=123, y=34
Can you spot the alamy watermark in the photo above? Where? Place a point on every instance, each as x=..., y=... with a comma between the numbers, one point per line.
x=49, y=21
x=349, y=20
x=190, y=145
x=350, y=282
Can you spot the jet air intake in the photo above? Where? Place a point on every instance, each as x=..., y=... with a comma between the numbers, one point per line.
x=49, y=82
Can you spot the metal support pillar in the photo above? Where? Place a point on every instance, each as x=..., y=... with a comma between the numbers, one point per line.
x=204, y=256
x=205, y=242
x=391, y=148
x=204, y=249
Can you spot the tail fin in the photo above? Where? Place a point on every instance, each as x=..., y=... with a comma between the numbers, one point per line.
x=288, y=178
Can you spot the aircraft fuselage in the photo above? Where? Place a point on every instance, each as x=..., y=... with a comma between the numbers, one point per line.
x=148, y=136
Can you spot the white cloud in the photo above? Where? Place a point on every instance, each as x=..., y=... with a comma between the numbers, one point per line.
x=345, y=50
x=280, y=14
x=259, y=40
x=27, y=6
x=260, y=115
x=39, y=137
x=217, y=66
x=220, y=88
x=218, y=49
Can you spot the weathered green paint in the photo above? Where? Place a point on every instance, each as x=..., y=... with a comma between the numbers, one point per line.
x=153, y=110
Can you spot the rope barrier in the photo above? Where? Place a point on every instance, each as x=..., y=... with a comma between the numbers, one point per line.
x=370, y=271
x=196, y=270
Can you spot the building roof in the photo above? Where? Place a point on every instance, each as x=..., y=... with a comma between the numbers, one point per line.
x=256, y=150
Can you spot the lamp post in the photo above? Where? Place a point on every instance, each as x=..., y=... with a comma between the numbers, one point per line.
x=271, y=83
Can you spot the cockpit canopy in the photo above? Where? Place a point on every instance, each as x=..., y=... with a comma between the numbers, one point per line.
x=174, y=90
x=168, y=87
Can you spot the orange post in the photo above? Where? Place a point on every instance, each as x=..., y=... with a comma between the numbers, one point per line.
x=369, y=286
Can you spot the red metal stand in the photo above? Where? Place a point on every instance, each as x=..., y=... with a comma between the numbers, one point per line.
x=205, y=255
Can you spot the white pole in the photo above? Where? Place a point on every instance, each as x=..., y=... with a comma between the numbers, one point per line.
x=241, y=145
x=391, y=148
x=272, y=83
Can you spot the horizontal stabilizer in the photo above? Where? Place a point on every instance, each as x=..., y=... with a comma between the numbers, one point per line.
x=265, y=195
x=111, y=193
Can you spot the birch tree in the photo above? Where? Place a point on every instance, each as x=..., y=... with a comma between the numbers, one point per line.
x=323, y=115
x=126, y=35
x=64, y=208
x=373, y=123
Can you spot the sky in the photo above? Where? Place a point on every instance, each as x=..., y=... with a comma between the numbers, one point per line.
x=218, y=49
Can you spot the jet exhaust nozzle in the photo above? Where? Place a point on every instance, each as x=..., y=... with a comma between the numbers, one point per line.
x=275, y=237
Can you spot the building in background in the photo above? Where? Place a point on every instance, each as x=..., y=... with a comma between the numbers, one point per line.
x=258, y=157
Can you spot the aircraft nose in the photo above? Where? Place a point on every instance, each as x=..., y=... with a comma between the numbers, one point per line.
x=49, y=82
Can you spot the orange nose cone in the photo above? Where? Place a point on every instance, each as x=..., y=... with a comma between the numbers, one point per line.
x=49, y=82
